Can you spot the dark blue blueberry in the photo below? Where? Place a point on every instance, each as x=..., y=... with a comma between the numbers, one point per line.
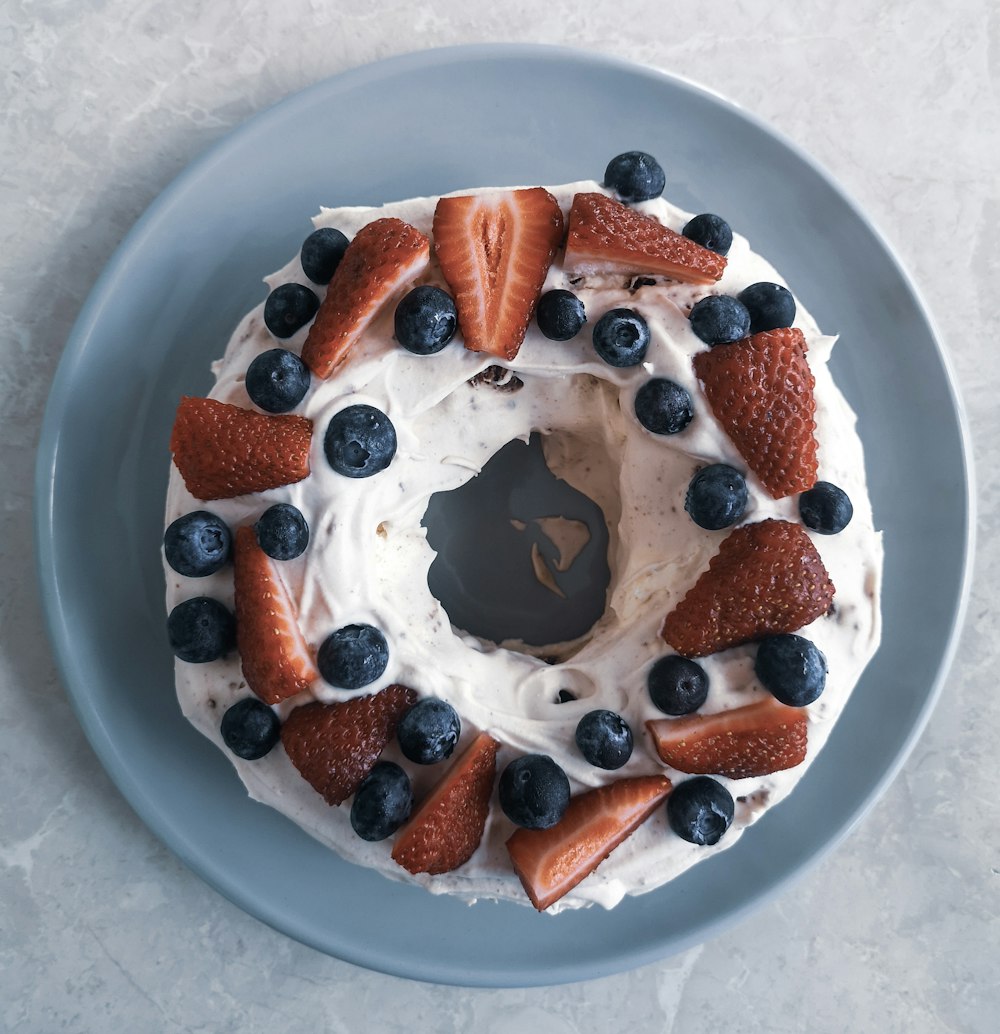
x=560, y=315
x=825, y=508
x=663, y=407
x=719, y=319
x=321, y=253
x=200, y=630
x=426, y=320
x=360, y=441
x=700, y=810
x=621, y=337
x=353, y=656
x=710, y=231
x=197, y=544
x=382, y=803
x=282, y=531
x=635, y=176
x=534, y=791
x=288, y=308
x=250, y=728
x=277, y=380
x=770, y=306
x=604, y=739
x=428, y=732
x=716, y=497
x=677, y=685
x=791, y=668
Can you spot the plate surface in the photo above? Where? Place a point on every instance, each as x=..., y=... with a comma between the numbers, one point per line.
x=164, y=307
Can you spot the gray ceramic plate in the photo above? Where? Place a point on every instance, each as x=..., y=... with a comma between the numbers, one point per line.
x=164, y=307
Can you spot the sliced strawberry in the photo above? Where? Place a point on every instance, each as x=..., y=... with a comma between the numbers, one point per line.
x=383, y=258
x=444, y=832
x=606, y=236
x=551, y=862
x=334, y=746
x=761, y=390
x=223, y=451
x=767, y=578
x=494, y=252
x=754, y=740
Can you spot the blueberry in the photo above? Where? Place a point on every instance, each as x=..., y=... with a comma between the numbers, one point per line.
x=604, y=739
x=360, y=441
x=770, y=306
x=716, y=497
x=635, y=176
x=560, y=315
x=197, y=544
x=426, y=320
x=700, y=810
x=710, y=231
x=250, y=728
x=621, y=338
x=288, y=308
x=791, y=668
x=663, y=407
x=719, y=319
x=677, y=685
x=353, y=656
x=825, y=508
x=428, y=732
x=534, y=791
x=200, y=630
x=321, y=253
x=382, y=803
x=277, y=380
x=282, y=531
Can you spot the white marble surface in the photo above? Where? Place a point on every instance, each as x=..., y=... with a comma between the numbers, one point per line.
x=100, y=926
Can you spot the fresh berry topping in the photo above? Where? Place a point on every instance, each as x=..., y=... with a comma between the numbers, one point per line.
x=716, y=497
x=761, y=392
x=495, y=250
x=560, y=315
x=360, y=441
x=382, y=803
x=663, y=406
x=700, y=810
x=710, y=231
x=766, y=579
x=754, y=740
x=282, y=531
x=426, y=320
x=621, y=337
x=250, y=729
x=201, y=630
x=428, y=732
x=551, y=862
x=197, y=544
x=635, y=176
x=277, y=663
x=771, y=306
x=353, y=656
x=334, y=746
x=277, y=380
x=534, y=791
x=223, y=451
x=677, y=685
x=792, y=668
x=321, y=253
x=383, y=258
x=288, y=308
x=604, y=739
x=447, y=827
x=606, y=236
x=718, y=319
x=825, y=508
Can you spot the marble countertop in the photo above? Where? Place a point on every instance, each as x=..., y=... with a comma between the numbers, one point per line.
x=101, y=926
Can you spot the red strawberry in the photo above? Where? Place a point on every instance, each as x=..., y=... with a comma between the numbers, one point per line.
x=383, y=258
x=606, y=236
x=767, y=578
x=754, y=740
x=334, y=746
x=224, y=451
x=276, y=661
x=444, y=832
x=494, y=252
x=761, y=390
x=551, y=862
